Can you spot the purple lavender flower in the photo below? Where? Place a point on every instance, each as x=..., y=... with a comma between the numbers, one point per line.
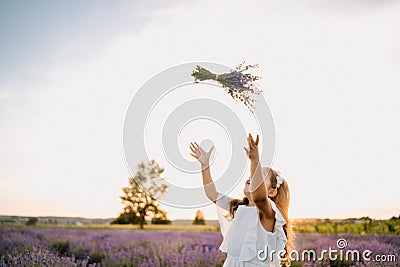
x=238, y=84
x=36, y=247
x=85, y=247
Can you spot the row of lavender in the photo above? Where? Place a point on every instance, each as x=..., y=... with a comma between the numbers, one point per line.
x=78, y=247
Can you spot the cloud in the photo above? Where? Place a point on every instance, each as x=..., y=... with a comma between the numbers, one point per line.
x=46, y=32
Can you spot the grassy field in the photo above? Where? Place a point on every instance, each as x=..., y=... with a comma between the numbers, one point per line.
x=320, y=226
x=348, y=226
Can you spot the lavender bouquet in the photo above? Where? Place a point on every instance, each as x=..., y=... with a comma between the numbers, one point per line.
x=238, y=84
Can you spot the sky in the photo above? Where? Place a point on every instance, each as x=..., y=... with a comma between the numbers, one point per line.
x=68, y=71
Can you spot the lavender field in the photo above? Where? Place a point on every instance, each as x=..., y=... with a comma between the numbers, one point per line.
x=27, y=246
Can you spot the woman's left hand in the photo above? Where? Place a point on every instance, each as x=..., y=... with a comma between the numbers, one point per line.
x=252, y=150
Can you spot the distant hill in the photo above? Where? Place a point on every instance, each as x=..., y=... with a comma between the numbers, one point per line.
x=83, y=221
x=56, y=220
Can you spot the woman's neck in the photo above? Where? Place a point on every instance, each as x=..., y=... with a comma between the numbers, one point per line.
x=251, y=204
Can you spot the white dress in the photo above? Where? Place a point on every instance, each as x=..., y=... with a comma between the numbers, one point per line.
x=244, y=236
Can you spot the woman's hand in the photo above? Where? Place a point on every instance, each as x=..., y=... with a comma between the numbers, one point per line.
x=200, y=154
x=252, y=150
x=204, y=158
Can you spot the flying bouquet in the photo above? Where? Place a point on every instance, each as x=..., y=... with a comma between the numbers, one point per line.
x=238, y=84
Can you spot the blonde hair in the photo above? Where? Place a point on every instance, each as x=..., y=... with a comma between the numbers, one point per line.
x=282, y=200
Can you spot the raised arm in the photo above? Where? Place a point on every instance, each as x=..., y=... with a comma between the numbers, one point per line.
x=204, y=158
x=258, y=188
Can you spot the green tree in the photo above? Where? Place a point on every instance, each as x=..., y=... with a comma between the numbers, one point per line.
x=160, y=218
x=32, y=221
x=127, y=217
x=335, y=227
x=140, y=196
x=367, y=225
x=199, y=218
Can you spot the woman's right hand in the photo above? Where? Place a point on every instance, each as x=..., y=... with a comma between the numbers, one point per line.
x=200, y=154
x=252, y=149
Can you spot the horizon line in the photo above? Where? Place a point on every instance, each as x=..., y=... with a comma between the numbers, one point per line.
x=210, y=219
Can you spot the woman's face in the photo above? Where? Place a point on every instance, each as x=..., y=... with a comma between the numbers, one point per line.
x=246, y=188
x=272, y=192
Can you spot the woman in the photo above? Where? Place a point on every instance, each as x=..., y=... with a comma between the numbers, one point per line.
x=256, y=230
